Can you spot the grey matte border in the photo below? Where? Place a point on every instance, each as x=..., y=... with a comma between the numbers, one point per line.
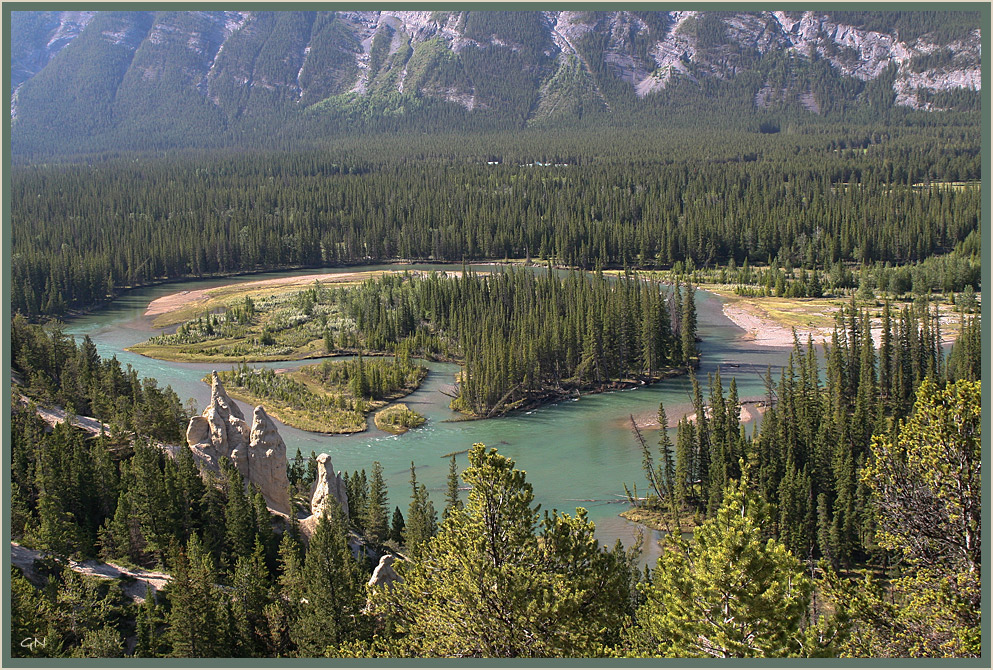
x=5, y=361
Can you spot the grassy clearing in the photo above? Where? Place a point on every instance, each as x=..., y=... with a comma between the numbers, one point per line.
x=818, y=314
x=226, y=351
x=253, y=322
x=331, y=421
x=192, y=304
x=800, y=313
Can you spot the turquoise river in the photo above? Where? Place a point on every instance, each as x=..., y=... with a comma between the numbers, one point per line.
x=577, y=453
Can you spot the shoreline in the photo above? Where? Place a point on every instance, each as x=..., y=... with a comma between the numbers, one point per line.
x=174, y=301
x=763, y=331
x=555, y=396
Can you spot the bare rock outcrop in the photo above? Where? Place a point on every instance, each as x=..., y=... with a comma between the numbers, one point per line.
x=384, y=574
x=219, y=431
x=328, y=486
x=259, y=453
x=265, y=462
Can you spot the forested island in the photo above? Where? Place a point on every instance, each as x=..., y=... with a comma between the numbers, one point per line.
x=604, y=232
x=521, y=336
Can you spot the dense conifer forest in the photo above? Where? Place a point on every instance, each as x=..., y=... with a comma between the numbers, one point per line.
x=811, y=195
x=521, y=335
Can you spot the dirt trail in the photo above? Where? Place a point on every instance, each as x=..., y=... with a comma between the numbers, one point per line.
x=24, y=559
x=57, y=415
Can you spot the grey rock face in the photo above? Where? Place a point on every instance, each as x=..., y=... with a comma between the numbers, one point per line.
x=219, y=431
x=329, y=486
x=220, y=48
x=259, y=453
x=266, y=462
x=384, y=574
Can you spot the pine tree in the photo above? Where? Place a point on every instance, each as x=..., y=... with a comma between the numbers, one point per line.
x=397, y=527
x=542, y=587
x=238, y=517
x=262, y=522
x=925, y=486
x=375, y=517
x=196, y=617
x=421, y=520
x=251, y=596
x=452, y=499
x=146, y=627
x=688, y=327
x=725, y=593
x=333, y=593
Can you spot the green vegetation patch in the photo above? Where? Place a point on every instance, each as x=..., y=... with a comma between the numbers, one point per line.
x=253, y=323
x=330, y=397
x=398, y=419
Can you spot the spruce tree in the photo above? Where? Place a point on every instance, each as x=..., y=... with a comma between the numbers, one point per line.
x=196, y=616
x=421, y=521
x=725, y=593
x=332, y=589
x=688, y=327
x=239, y=523
x=375, y=517
x=498, y=581
x=452, y=499
x=397, y=526
x=251, y=596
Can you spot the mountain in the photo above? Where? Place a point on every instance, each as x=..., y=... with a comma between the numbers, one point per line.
x=82, y=81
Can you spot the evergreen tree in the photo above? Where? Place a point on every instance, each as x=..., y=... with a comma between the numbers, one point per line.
x=148, y=643
x=397, y=527
x=375, y=515
x=251, y=596
x=926, y=490
x=421, y=521
x=452, y=499
x=688, y=327
x=240, y=528
x=544, y=588
x=725, y=593
x=197, y=614
x=332, y=589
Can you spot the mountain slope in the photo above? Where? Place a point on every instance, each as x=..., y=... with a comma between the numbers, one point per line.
x=80, y=79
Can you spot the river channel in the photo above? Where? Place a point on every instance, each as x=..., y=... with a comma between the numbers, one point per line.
x=577, y=453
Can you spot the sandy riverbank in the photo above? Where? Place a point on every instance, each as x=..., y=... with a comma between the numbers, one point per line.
x=174, y=301
x=765, y=332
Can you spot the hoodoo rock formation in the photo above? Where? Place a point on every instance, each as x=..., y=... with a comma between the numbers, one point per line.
x=259, y=453
x=329, y=485
x=385, y=575
x=267, y=462
x=219, y=431
x=328, y=488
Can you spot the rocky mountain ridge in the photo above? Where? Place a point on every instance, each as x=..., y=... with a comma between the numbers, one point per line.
x=112, y=69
